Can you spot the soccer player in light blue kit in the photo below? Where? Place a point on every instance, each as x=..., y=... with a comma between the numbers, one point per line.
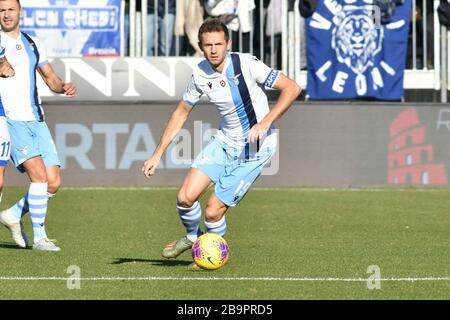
x=244, y=143
x=33, y=150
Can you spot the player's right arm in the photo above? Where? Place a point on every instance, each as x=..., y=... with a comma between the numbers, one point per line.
x=176, y=122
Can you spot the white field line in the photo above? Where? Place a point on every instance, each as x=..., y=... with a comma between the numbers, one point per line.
x=263, y=279
x=318, y=189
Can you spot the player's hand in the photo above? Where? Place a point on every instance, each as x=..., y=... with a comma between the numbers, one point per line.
x=6, y=70
x=69, y=89
x=258, y=131
x=150, y=166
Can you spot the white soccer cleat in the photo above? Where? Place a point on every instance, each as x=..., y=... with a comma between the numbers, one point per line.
x=15, y=227
x=46, y=244
x=24, y=235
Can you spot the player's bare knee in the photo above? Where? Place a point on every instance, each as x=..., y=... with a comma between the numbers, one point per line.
x=53, y=186
x=54, y=183
x=215, y=209
x=212, y=217
x=213, y=214
x=183, y=200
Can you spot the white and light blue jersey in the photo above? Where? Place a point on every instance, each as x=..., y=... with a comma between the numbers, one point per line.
x=19, y=93
x=238, y=92
x=5, y=141
x=2, y=110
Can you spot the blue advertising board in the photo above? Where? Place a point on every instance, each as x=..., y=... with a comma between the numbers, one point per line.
x=75, y=28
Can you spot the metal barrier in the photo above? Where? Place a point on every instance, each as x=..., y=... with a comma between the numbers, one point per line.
x=285, y=49
x=262, y=40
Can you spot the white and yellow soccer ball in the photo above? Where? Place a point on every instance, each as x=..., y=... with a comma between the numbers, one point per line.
x=210, y=251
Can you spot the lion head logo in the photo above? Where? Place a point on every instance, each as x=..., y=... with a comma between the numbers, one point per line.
x=356, y=40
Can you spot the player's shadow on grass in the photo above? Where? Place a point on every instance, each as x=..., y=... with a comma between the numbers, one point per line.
x=153, y=262
x=9, y=245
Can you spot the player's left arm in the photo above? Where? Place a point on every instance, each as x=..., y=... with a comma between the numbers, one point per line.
x=54, y=82
x=289, y=92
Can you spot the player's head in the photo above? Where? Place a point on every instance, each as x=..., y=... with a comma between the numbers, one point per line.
x=214, y=40
x=10, y=11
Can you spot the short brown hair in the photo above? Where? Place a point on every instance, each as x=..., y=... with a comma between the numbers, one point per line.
x=18, y=2
x=213, y=25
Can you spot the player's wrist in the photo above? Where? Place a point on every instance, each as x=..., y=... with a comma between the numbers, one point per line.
x=2, y=60
x=266, y=123
x=156, y=156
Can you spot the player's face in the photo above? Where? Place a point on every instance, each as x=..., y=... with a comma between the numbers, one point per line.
x=215, y=47
x=9, y=15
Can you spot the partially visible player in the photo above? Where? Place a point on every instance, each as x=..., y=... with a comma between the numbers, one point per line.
x=246, y=139
x=33, y=150
x=6, y=71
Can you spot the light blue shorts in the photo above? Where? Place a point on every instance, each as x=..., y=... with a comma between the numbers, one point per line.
x=31, y=139
x=232, y=170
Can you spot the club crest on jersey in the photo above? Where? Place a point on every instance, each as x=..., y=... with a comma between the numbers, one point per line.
x=18, y=47
x=236, y=78
x=222, y=83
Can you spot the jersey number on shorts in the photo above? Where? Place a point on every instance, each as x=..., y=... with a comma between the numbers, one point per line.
x=5, y=148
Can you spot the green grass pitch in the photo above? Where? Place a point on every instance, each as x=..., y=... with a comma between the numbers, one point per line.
x=285, y=244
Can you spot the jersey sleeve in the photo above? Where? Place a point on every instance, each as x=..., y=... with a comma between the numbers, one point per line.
x=262, y=73
x=193, y=93
x=42, y=52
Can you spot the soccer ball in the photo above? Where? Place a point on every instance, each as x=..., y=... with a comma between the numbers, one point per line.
x=210, y=251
